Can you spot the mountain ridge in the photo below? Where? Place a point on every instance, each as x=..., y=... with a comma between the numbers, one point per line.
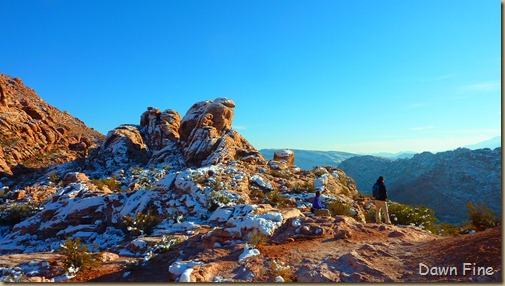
x=35, y=134
x=444, y=181
x=176, y=199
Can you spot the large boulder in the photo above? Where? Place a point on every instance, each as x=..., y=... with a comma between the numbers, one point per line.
x=122, y=146
x=160, y=128
x=207, y=137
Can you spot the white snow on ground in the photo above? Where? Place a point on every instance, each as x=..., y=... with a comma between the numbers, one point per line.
x=264, y=183
x=183, y=269
x=267, y=223
x=319, y=182
x=248, y=252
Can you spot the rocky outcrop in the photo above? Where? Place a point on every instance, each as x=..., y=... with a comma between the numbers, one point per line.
x=203, y=137
x=34, y=134
x=287, y=156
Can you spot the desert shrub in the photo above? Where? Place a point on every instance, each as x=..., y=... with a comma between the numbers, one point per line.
x=345, y=191
x=420, y=216
x=337, y=207
x=111, y=183
x=136, y=170
x=54, y=178
x=256, y=193
x=280, y=174
x=142, y=223
x=276, y=199
x=370, y=215
x=77, y=257
x=216, y=184
x=320, y=171
x=281, y=269
x=256, y=237
x=198, y=178
x=216, y=199
x=481, y=217
x=446, y=229
x=176, y=215
x=360, y=197
x=14, y=213
x=166, y=243
x=305, y=187
x=145, y=183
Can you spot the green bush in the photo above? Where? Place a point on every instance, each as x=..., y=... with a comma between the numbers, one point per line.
x=446, y=229
x=337, y=207
x=111, y=183
x=370, y=215
x=420, y=216
x=166, y=243
x=76, y=255
x=481, y=217
x=54, y=178
x=320, y=171
x=216, y=199
x=142, y=223
x=198, y=178
x=276, y=199
x=280, y=174
x=305, y=187
x=14, y=213
x=145, y=183
x=256, y=193
x=256, y=237
x=281, y=269
x=216, y=184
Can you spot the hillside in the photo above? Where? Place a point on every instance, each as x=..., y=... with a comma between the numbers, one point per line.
x=188, y=199
x=444, y=181
x=34, y=134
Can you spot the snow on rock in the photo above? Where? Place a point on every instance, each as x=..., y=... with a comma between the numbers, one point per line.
x=166, y=182
x=319, y=183
x=261, y=182
x=249, y=251
x=183, y=269
x=223, y=214
x=266, y=223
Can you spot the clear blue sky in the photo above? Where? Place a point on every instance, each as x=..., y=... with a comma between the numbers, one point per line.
x=356, y=76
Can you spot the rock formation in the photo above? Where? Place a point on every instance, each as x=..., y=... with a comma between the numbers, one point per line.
x=189, y=199
x=204, y=136
x=34, y=134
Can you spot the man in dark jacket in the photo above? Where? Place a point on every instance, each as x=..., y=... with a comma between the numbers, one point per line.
x=380, y=201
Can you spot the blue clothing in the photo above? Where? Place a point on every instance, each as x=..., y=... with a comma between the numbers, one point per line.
x=316, y=204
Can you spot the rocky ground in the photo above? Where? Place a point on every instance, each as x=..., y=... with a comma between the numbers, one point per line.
x=347, y=251
x=189, y=199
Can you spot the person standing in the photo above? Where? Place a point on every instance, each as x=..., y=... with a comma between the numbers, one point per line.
x=380, y=196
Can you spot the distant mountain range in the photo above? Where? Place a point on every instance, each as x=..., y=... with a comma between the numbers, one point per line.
x=308, y=159
x=492, y=143
x=444, y=181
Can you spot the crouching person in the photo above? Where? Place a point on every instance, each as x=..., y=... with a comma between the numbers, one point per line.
x=317, y=207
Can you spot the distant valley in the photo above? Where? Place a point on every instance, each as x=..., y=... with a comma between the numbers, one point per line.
x=444, y=181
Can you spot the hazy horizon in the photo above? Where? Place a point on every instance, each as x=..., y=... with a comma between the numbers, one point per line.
x=321, y=75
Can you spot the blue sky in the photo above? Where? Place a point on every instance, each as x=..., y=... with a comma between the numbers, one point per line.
x=356, y=76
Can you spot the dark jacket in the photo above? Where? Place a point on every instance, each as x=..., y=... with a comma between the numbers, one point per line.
x=383, y=194
x=316, y=204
